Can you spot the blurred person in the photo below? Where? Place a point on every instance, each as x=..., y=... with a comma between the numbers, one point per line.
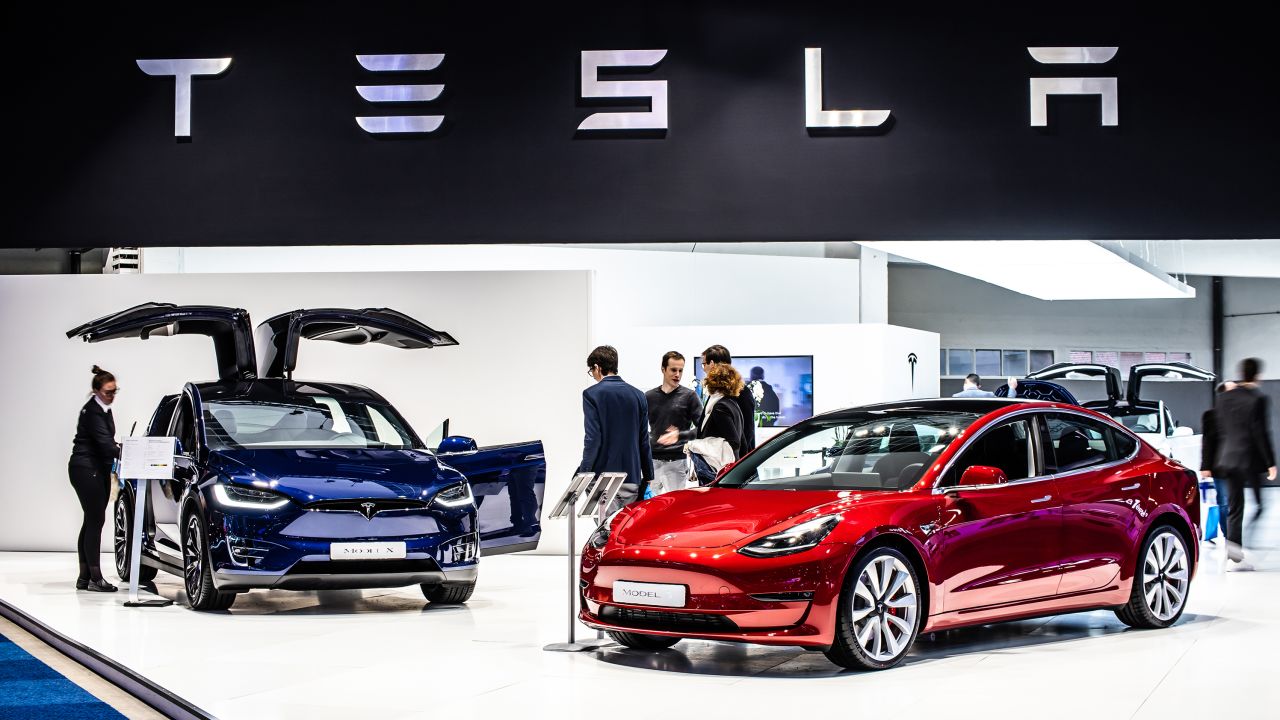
x=973, y=388
x=720, y=427
x=1242, y=452
x=93, y=451
x=719, y=355
x=616, y=424
x=673, y=410
x=1208, y=455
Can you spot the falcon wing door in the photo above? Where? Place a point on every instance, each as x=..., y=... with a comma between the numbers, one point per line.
x=1076, y=371
x=1167, y=370
x=1040, y=390
x=278, y=337
x=229, y=328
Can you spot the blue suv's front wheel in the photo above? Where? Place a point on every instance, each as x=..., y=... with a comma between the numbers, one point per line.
x=197, y=570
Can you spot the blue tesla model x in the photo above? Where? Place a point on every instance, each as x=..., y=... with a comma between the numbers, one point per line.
x=302, y=485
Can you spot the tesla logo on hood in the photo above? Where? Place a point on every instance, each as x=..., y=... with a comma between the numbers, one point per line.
x=368, y=509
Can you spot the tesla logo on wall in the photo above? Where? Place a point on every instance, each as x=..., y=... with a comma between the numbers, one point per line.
x=654, y=92
x=912, y=360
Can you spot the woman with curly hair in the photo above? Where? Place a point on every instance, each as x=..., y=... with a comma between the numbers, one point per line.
x=720, y=427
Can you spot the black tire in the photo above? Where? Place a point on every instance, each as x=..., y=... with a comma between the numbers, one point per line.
x=122, y=523
x=640, y=641
x=448, y=593
x=1142, y=613
x=197, y=570
x=847, y=651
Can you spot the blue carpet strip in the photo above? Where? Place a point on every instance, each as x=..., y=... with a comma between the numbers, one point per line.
x=161, y=700
x=31, y=689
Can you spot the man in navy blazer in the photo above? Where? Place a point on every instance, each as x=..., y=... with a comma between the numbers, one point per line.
x=616, y=420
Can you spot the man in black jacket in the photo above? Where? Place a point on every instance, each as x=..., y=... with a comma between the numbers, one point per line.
x=1243, y=451
x=720, y=354
x=1208, y=456
x=616, y=427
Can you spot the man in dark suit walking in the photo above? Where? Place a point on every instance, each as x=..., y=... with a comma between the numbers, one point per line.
x=1243, y=451
x=616, y=420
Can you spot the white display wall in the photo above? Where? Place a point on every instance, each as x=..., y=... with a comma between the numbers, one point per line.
x=516, y=375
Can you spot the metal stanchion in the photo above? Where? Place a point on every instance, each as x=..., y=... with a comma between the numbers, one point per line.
x=597, y=491
x=135, y=552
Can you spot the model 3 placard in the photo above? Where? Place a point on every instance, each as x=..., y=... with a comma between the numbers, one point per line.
x=367, y=551
x=635, y=593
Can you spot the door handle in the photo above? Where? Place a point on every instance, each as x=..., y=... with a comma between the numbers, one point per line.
x=1134, y=486
x=1043, y=499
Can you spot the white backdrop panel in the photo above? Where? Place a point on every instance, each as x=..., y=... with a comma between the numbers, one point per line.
x=517, y=374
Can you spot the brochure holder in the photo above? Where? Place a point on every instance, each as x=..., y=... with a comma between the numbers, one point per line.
x=144, y=460
x=600, y=492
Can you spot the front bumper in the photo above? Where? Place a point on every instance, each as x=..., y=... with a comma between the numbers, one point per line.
x=787, y=600
x=320, y=573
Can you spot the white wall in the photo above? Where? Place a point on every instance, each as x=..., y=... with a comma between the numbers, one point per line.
x=631, y=288
x=516, y=375
x=1249, y=334
x=970, y=313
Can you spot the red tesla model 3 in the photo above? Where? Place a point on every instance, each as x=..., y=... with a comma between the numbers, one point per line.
x=857, y=530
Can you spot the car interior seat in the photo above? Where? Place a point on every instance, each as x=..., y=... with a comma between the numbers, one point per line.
x=1073, y=451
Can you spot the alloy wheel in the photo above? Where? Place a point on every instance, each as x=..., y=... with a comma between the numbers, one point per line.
x=121, y=539
x=1165, y=575
x=192, y=557
x=885, y=605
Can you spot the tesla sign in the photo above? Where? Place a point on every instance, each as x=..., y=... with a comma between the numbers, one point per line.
x=653, y=92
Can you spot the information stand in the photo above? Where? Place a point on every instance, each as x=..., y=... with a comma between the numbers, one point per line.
x=597, y=490
x=144, y=460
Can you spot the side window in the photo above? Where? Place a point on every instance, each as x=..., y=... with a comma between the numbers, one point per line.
x=1075, y=442
x=1125, y=445
x=1007, y=446
x=183, y=426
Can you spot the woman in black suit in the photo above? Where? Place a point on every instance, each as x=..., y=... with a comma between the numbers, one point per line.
x=92, y=453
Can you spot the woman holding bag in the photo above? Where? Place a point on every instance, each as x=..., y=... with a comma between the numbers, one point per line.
x=720, y=427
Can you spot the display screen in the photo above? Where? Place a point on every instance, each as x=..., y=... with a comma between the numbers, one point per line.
x=781, y=386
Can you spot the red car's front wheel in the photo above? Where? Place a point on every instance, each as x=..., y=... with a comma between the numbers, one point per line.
x=879, y=612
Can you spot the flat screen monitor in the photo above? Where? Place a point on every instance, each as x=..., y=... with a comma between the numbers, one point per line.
x=780, y=385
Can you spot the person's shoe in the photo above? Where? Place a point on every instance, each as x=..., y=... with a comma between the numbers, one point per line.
x=1240, y=566
x=82, y=583
x=100, y=586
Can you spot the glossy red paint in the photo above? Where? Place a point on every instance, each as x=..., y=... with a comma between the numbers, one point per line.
x=1041, y=546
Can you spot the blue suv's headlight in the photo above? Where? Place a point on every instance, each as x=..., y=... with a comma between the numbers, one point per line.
x=244, y=498
x=454, y=496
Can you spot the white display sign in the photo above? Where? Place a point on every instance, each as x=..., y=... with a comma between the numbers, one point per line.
x=637, y=593
x=147, y=458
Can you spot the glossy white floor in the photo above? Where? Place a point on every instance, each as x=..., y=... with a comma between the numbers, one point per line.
x=387, y=654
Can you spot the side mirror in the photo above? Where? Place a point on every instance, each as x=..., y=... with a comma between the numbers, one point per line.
x=983, y=475
x=456, y=445
x=727, y=467
x=1182, y=431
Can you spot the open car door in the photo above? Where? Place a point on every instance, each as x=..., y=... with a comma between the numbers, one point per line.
x=1167, y=370
x=278, y=337
x=508, y=483
x=1076, y=371
x=229, y=328
x=1040, y=390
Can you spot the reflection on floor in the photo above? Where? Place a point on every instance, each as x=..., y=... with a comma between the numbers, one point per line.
x=389, y=654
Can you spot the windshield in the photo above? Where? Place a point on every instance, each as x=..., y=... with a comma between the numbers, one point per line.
x=875, y=451
x=304, y=422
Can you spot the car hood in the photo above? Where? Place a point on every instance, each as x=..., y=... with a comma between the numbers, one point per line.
x=717, y=517
x=337, y=474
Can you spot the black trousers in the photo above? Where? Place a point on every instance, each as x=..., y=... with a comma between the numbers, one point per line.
x=1237, y=481
x=93, y=488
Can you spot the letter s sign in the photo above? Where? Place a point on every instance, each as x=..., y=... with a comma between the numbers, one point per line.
x=653, y=90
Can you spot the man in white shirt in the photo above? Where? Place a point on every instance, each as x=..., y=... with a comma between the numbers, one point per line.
x=973, y=388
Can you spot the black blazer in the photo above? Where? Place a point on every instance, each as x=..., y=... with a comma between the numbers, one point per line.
x=95, y=442
x=1243, y=438
x=1209, y=442
x=616, y=430
x=725, y=422
x=747, y=419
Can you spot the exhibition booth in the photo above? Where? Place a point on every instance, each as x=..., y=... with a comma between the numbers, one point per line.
x=367, y=270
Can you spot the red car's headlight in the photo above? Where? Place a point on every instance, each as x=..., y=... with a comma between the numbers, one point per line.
x=793, y=540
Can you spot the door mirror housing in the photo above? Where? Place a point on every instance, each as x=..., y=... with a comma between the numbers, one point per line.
x=727, y=467
x=456, y=444
x=1182, y=431
x=982, y=475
